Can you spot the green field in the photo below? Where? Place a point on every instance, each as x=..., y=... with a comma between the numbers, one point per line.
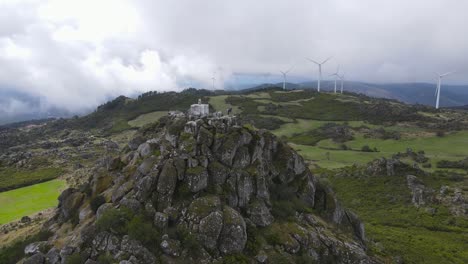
x=13, y=178
x=451, y=147
x=219, y=104
x=147, y=118
x=396, y=227
x=29, y=200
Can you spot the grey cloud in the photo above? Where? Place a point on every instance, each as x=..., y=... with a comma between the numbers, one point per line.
x=178, y=42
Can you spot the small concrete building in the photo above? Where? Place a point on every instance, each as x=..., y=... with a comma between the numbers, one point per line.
x=199, y=110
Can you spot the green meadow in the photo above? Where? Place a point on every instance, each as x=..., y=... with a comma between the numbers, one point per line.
x=28, y=200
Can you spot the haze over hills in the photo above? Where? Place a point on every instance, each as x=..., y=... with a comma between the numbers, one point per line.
x=17, y=107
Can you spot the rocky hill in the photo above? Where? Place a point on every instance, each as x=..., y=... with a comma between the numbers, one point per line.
x=203, y=190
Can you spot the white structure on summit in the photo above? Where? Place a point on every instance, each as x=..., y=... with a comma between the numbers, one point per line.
x=199, y=109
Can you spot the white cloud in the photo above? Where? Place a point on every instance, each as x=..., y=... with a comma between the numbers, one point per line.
x=76, y=54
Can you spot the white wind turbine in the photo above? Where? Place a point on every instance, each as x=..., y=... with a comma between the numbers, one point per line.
x=342, y=81
x=439, y=82
x=336, y=74
x=284, y=76
x=320, y=70
x=213, y=79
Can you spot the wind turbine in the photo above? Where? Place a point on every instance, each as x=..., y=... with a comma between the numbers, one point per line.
x=284, y=76
x=213, y=79
x=320, y=70
x=342, y=81
x=336, y=76
x=439, y=82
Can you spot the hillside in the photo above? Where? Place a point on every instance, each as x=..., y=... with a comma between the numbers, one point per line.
x=400, y=168
x=202, y=190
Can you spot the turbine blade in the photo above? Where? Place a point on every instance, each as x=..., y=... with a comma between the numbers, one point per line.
x=313, y=61
x=326, y=60
x=447, y=73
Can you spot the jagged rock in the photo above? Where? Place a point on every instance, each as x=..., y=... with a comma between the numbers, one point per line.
x=38, y=258
x=146, y=149
x=209, y=229
x=121, y=191
x=166, y=184
x=233, y=235
x=218, y=172
x=135, y=143
x=261, y=257
x=171, y=247
x=35, y=247
x=259, y=214
x=421, y=194
x=102, y=209
x=146, y=166
x=69, y=202
x=53, y=256
x=197, y=178
x=210, y=181
x=137, y=250
x=132, y=204
x=160, y=220
x=144, y=187
x=101, y=181
x=245, y=188
x=85, y=213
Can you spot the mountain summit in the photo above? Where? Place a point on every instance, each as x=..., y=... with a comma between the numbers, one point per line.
x=208, y=190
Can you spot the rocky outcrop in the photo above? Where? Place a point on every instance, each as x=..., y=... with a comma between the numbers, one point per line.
x=198, y=190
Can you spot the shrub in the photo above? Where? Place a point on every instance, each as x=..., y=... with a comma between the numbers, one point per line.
x=75, y=258
x=189, y=241
x=15, y=252
x=236, y=259
x=143, y=231
x=96, y=202
x=253, y=245
x=105, y=259
x=366, y=148
x=115, y=220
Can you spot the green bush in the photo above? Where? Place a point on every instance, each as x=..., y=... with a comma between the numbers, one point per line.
x=105, y=259
x=75, y=258
x=15, y=252
x=115, y=220
x=236, y=259
x=142, y=230
x=366, y=148
x=189, y=241
x=96, y=202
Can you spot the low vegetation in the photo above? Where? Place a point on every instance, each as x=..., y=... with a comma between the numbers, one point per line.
x=15, y=178
x=28, y=200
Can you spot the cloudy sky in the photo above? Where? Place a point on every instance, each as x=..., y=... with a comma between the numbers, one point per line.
x=76, y=54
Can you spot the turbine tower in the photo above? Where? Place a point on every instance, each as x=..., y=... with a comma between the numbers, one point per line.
x=439, y=82
x=342, y=81
x=284, y=77
x=320, y=70
x=213, y=79
x=336, y=74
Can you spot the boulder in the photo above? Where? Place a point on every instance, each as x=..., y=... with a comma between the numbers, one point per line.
x=197, y=178
x=166, y=184
x=259, y=213
x=233, y=236
x=171, y=247
x=209, y=229
x=37, y=258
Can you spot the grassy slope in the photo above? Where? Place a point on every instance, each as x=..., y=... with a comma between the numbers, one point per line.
x=12, y=178
x=147, y=118
x=396, y=227
x=27, y=200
